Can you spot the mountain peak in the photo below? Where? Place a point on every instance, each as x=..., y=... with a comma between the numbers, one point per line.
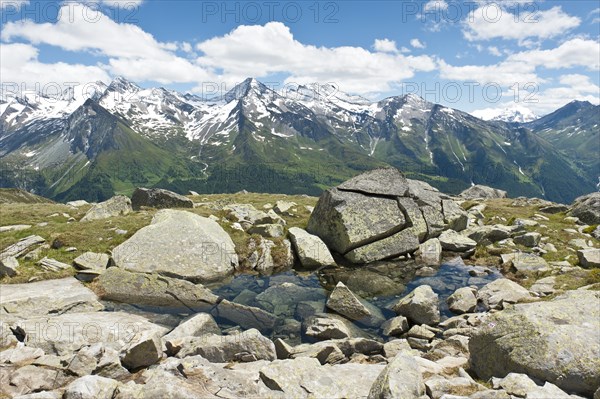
x=121, y=84
x=247, y=87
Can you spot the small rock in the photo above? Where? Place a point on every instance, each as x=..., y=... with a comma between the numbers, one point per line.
x=430, y=252
x=463, y=300
x=346, y=303
x=91, y=261
x=420, y=332
x=453, y=241
x=8, y=266
x=52, y=265
x=517, y=384
x=528, y=239
x=395, y=326
x=159, y=198
x=401, y=378
x=15, y=227
x=420, y=306
x=589, y=257
x=311, y=250
x=194, y=326
x=91, y=387
x=143, y=352
x=116, y=206
x=284, y=207
x=495, y=294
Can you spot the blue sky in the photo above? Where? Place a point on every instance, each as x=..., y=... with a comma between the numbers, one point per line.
x=471, y=55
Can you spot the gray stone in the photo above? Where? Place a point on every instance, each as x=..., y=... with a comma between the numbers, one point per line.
x=78, y=203
x=544, y=286
x=272, y=230
x=194, y=326
x=395, y=326
x=496, y=294
x=306, y=378
x=417, y=331
x=48, y=297
x=420, y=306
x=311, y=250
x=248, y=213
x=67, y=333
x=91, y=261
x=528, y=239
x=249, y=345
x=382, y=181
x=587, y=208
x=549, y=391
x=394, y=347
x=281, y=299
x=245, y=316
x=430, y=252
x=14, y=227
x=554, y=208
x=8, y=266
x=144, y=350
x=33, y=379
x=159, y=198
x=463, y=300
x=529, y=263
x=327, y=326
x=52, y=265
x=346, y=220
x=589, y=257
x=517, y=384
x=454, y=216
x=154, y=290
x=453, y=241
x=284, y=207
x=116, y=206
x=555, y=341
x=401, y=378
x=481, y=191
x=179, y=244
x=91, y=387
x=492, y=234
x=346, y=303
x=21, y=247
x=439, y=386
x=20, y=355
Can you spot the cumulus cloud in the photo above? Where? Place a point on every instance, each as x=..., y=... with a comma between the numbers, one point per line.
x=494, y=21
x=416, y=43
x=263, y=50
x=132, y=52
x=435, y=5
x=20, y=66
x=385, y=46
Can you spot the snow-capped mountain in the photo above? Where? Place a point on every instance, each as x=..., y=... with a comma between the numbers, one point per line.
x=513, y=114
x=298, y=141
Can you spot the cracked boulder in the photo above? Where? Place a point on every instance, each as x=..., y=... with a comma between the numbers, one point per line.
x=381, y=214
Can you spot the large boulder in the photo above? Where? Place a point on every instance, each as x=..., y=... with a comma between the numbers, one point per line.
x=159, y=198
x=587, y=208
x=380, y=214
x=481, y=191
x=116, y=206
x=179, y=244
x=556, y=341
x=154, y=290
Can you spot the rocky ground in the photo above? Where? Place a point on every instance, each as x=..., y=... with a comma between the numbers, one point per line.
x=383, y=288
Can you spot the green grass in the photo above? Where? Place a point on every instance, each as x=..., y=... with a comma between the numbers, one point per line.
x=99, y=235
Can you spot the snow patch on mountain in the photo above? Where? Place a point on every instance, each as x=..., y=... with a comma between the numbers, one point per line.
x=512, y=114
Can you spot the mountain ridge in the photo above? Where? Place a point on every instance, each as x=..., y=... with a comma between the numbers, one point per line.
x=312, y=131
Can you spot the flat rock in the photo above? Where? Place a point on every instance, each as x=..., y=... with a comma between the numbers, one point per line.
x=329, y=326
x=249, y=345
x=194, y=326
x=529, y=263
x=453, y=241
x=48, y=297
x=67, y=333
x=159, y=198
x=503, y=291
x=179, y=244
x=116, y=206
x=91, y=261
x=306, y=378
x=52, y=265
x=21, y=247
x=119, y=285
x=14, y=227
x=555, y=341
x=245, y=316
x=91, y=387
x=383, y=181
x=481, y=191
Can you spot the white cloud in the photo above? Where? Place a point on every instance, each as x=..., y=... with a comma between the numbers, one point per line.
x=263, y=50
x=435, y=5
x=493, y=50
x=385, y=46
x=187, y=47
x=416, y=43
x=521, y=67
x=132, y=52
x=20, y=66
x=12, y=5
x=493, y=21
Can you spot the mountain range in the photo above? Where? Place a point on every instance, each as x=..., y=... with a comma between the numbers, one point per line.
x=302, y=140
